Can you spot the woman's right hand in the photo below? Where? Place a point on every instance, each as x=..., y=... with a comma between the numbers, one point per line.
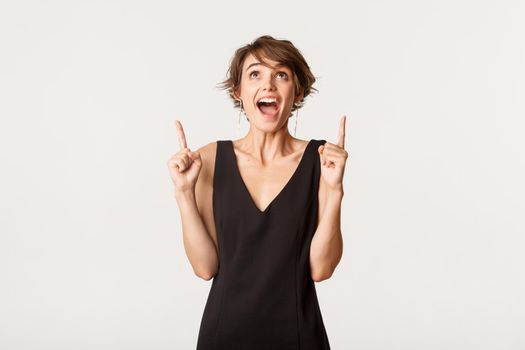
x=184, y=166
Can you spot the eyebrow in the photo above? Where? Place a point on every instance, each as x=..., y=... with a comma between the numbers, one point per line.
x=259, y=63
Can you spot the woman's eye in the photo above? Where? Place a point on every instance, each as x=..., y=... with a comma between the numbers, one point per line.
x=281, y=75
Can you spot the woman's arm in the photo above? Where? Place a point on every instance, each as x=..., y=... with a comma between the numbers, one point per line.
x=193, y=180
x=196, y=212
x=200, y=248
x=326, y=248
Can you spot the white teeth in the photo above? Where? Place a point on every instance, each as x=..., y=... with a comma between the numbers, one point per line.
x=268, y=99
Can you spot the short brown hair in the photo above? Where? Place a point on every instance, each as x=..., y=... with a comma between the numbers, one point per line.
x=281, y=51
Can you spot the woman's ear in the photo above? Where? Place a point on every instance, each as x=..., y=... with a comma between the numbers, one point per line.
x=236, y=95
x=299, y=96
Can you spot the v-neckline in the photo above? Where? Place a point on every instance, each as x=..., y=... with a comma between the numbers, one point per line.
x=294, y=174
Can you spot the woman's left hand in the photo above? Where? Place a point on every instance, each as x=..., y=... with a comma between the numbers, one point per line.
x=333, y=159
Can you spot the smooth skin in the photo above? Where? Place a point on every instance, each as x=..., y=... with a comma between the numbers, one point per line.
x=267, y=157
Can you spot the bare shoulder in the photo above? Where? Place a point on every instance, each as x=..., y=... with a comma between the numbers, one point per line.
x=205, y=180
x=208, y=152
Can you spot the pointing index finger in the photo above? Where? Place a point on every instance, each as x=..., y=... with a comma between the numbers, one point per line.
x=341, y=139
x=180, y=133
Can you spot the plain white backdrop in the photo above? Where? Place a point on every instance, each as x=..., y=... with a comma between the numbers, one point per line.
x=91, y=253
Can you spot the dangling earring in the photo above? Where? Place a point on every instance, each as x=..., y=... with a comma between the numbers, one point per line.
x=239, y=119
x=296, y=116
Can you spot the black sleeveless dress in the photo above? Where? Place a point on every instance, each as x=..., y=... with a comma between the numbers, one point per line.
x=263, y=296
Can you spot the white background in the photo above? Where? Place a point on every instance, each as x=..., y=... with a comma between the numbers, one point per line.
x=91, y=253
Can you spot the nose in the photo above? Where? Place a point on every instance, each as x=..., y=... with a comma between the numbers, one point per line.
x=268, y=84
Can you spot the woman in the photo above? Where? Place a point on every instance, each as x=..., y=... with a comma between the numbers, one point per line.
x=261, y=214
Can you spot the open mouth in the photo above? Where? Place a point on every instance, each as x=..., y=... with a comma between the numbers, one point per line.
x=268, y=106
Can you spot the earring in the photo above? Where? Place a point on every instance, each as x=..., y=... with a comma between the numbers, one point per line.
x=296, y=116
x=239, y=119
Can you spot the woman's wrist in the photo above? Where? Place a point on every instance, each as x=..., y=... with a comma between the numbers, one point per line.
x=185, y=195
x=335, y=193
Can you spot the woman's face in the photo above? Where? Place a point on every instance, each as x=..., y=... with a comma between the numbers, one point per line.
x=267, y=94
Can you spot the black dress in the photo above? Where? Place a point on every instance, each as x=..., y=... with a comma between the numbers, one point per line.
x=263, y=296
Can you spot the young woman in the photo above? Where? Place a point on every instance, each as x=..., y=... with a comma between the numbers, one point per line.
x=261, y=214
